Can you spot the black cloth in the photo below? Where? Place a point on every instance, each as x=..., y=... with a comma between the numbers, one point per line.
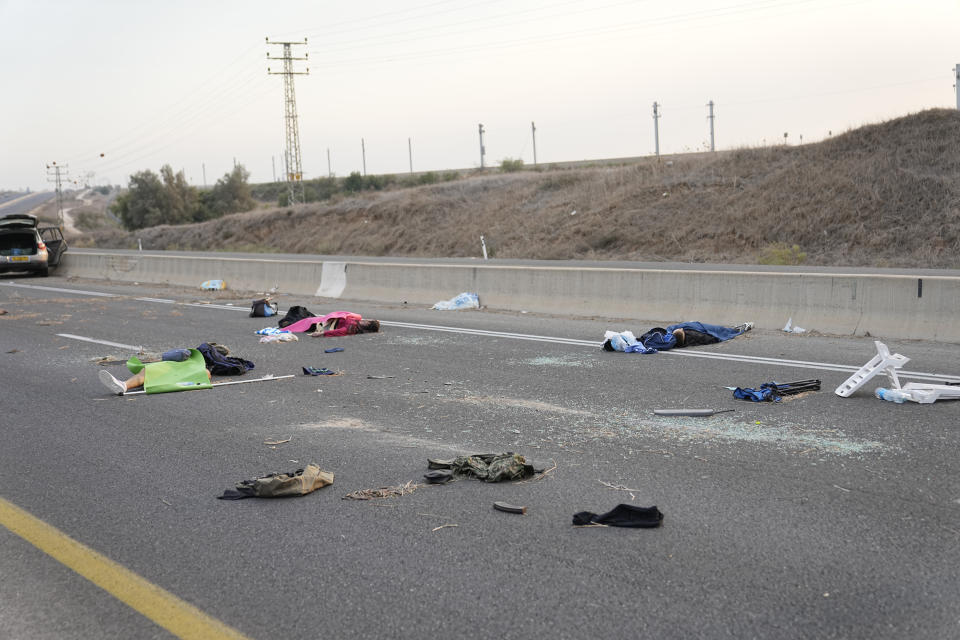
x=623, y=515
x=295, y=314
x=440, y=476
x=693, y=338
x=233, y=494
x=221, y=365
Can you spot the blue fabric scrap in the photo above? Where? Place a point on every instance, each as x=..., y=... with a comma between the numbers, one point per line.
x=766, y=393
x=313, y=371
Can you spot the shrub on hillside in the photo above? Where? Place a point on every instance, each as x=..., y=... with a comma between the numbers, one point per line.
x=152, y=200
x=353, y=183
x=779, y=253
x=509, y=165
x=231, y=194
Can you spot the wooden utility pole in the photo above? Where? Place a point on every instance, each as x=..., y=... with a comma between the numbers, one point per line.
x=533, y=131
x=656, y=129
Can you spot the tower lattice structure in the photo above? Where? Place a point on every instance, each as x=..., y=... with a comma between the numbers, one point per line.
x=291, y=152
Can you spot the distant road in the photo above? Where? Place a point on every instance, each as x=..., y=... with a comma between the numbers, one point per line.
x=24, y=202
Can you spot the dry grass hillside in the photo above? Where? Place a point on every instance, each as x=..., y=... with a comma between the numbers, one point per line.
x=884, y=195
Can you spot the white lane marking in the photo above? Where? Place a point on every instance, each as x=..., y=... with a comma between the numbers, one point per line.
x=210, y=305
x=82, y=292
x=76, y=291
x=497, y=334
x=800, y=364
x=106, y=342
x=823, y=366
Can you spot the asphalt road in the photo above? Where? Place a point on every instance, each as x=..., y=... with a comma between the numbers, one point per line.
x=816, y=517
x=25, y=203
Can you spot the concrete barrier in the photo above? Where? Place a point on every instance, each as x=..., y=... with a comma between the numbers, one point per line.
x=889, y=306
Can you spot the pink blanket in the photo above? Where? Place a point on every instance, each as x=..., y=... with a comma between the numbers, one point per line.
x=304, y=325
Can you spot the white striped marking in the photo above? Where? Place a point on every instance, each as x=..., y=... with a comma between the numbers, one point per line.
x=80, y=292
x=106, y=342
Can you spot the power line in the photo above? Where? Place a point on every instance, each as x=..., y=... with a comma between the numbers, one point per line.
x=646, y=23
x=55, y=176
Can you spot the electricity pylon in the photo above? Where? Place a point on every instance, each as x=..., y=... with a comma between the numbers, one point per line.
x=291, y=154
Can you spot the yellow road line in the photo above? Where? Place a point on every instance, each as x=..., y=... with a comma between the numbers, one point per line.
x=170, y=612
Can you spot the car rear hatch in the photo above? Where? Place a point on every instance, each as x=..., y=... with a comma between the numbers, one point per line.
x=18, y=236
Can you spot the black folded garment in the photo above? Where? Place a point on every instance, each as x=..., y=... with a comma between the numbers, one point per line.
x=623, y=515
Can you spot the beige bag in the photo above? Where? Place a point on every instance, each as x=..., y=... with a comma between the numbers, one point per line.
x=299, y=483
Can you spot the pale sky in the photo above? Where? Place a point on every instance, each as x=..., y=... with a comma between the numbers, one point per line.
x=185, y=83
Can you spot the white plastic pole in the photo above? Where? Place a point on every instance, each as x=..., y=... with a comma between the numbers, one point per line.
x=223, y=384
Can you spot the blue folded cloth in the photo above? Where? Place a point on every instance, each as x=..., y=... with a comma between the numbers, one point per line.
x=313, y=371
x=176, y=355
x=766, y=393
x=269, y=331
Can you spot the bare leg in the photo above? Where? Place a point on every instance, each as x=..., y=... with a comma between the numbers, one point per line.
x=135, y=381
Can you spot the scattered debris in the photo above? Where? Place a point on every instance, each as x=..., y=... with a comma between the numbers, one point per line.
x=623, y=515
x=3, y=312
x=281, y=485
x=541, y=474
x=313, y=371
x=333, y=350
x=378, y=377
x=773, y=391
x=790, y=328
x=275, y=442
x=285, y=336
x=14, y=351
x=213, y=285
x=927, y=393
x=263, y=308
x=617, y=487
x=883, y=362
x=444, y=526
x=439, y=476
x=509, y=508
x=384, y=492
x=489, y=467
x=269, y=331
x=461, y=301
x=891, y=395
